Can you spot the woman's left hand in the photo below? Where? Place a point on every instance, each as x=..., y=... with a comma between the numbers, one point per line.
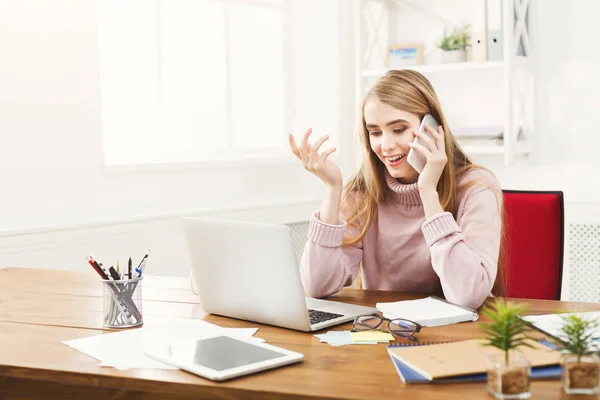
x=434, y=150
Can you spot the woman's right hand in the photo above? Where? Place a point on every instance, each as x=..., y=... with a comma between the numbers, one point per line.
x=318, y=164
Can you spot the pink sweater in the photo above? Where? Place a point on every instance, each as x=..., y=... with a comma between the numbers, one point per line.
x=404, y=252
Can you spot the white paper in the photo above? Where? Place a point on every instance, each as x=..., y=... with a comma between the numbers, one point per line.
x=552, y=323
x=125, y=349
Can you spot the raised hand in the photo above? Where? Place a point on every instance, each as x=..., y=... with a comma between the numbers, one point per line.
x=317, y=163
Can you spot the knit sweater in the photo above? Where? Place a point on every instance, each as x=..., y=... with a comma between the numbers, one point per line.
x=404, y=251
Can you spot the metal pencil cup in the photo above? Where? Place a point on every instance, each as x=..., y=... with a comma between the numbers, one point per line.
x=122, y=303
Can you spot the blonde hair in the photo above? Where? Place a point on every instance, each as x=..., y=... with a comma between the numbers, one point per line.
x=408, y=91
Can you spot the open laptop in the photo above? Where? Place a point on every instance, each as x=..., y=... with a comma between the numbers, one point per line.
x=249, y=271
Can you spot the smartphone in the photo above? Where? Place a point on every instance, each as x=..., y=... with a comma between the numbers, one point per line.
x=414, y=158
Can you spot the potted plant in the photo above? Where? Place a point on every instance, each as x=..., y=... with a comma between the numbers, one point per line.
x=508, y=372
x=580, y=363
x=454, y=44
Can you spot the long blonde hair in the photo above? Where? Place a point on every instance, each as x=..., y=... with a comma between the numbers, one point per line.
x=408, y=91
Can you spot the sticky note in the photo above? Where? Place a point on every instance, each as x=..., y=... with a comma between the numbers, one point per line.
x=371, y=336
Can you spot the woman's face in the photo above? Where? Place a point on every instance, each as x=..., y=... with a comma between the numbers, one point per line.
x=390, y=131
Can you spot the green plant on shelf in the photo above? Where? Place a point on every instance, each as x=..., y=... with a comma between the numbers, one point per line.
x=458, y=39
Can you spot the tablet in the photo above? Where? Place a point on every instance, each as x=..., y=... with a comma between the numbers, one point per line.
x=222, y=357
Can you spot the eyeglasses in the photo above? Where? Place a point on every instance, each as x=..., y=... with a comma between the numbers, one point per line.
x=398, y=326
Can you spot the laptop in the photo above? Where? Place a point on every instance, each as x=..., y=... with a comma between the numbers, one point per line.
x=249, y=271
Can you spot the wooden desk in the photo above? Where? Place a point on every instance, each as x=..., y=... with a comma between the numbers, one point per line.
x=40, y=308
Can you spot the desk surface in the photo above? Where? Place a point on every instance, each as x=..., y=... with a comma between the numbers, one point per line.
x=41, y=308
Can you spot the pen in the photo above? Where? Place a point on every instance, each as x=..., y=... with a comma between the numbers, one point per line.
x=144, y=265
x=139, y=269
x=129, y=268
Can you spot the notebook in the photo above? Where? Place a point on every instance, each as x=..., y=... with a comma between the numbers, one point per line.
x=430, y=311
x=408, y=375
x=551, y=324
x=465, y=357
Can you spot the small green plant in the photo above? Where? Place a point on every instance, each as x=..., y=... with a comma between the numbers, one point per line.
x=458, y=39
x=506, y=329
x=578, y=335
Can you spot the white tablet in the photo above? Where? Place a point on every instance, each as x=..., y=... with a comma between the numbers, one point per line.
x=222, y=357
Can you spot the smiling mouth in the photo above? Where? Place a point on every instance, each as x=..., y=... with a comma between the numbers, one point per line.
x=394, y=159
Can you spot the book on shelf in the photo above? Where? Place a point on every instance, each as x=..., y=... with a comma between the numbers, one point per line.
x=479, y=135
x=480, y=132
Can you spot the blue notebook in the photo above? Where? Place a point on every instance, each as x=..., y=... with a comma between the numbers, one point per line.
x=409, y=375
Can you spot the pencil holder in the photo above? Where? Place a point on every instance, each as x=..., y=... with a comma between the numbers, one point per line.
x=122, y=303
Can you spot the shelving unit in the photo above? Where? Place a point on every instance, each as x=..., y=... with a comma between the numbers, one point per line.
x=515, y=71
x=463, y=66
x=522, y=147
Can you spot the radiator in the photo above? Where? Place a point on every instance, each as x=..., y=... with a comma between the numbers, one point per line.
x=299, y=236
x=582, y=258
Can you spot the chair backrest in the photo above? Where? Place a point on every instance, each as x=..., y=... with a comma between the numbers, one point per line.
x=533, y=244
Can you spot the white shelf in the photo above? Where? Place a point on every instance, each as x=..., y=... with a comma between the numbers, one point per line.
x=512, y=105
x=474, y=150
x=462, y=66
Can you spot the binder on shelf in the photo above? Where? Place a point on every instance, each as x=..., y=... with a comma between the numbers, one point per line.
x=479, y=39
x=495, y=37
x=485, y=135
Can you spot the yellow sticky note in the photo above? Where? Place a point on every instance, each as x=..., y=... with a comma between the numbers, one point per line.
x=371, y=336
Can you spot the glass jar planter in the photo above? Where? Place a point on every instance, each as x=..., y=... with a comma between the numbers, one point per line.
x=509, y=381
x=580, y=374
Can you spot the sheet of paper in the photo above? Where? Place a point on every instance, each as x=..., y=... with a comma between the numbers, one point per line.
x=125, y=349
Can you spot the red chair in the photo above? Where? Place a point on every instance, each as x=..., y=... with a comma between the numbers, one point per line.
x=533, y=244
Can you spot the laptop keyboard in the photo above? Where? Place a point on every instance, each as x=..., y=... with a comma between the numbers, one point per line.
x=316, y=316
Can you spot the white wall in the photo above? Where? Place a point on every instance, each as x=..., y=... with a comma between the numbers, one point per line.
x=51, y=160
x=50, y=124
x=51, y=145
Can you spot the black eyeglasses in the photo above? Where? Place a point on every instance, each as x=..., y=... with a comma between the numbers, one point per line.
x=397, y=327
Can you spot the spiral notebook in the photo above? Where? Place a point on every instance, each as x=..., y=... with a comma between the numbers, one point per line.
x=465, y=357
x=409, y=375
x=429, y=311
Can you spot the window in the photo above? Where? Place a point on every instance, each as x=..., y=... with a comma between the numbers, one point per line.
x=188, y=80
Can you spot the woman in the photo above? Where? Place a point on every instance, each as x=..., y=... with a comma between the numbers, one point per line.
x=438, y=231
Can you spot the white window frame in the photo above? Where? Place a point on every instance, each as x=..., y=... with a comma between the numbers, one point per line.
x=229, y=157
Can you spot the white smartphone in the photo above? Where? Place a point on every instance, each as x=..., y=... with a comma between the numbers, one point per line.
x=414, y=158
x=221, y=357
